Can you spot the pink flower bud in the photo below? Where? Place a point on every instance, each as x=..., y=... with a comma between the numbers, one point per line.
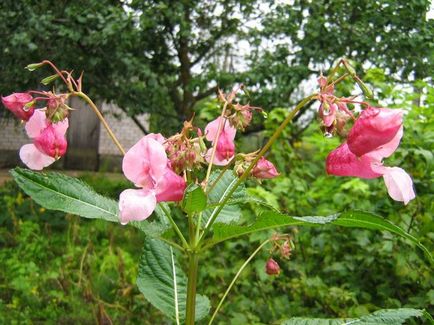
x=322, y=81
x=264, y=169
x=271, y=267
x=16, y=104
x=327, y=113
x=285, y=249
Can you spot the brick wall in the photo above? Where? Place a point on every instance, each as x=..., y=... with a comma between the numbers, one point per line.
x=12, y=134
x=122, y=126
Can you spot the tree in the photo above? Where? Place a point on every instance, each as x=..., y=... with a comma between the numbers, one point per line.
x=295, y=41
x=163, y=57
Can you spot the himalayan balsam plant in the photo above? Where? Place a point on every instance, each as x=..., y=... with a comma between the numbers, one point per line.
x=201, y=173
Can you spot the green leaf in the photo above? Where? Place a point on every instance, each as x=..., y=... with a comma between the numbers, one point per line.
x=353, y=219
x=164, y=284
x=57, y=191
x=60, y=192
x=383, y=316
x=194, y=199
x=231, y=212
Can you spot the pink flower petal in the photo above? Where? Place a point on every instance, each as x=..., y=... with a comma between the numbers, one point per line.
x=171, y=187
x=145, y=163
x=342, y=162
x=61, y=127
x=51, y=142
x=225, y=147
x=157, y=137
x=218, y=160
x=399, y=184
x=212, y=128
x=33, y=158
x=386, y=150
x=36, y=123
x=136, y=205
x=374, y=127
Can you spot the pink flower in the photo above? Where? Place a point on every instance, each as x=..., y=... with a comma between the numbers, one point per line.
x=374, y=128
x=264, y=169
x=147, y=166
x=225, y=149
x=375, y=135
x=16, y=104
x=49, y=142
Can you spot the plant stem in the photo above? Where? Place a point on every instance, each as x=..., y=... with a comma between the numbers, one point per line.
x=175, y=226
x=193, y=262
x=101, y=118
x=246, y=173
x=235, y=279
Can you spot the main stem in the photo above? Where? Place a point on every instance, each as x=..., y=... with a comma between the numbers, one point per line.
x=193, y=263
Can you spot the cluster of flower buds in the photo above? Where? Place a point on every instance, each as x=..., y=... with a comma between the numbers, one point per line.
x=46, y=126
x=282, y=245
x=375, y=135
x=333, y=111
x=185, y=152
x=238, y=115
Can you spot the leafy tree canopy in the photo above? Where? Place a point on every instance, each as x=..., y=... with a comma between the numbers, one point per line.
x=165, y=56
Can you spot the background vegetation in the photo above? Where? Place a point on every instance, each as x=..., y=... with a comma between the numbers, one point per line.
x=168, y=60
x=64, y=269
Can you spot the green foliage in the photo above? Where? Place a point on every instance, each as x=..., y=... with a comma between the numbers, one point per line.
x=65, y=269
x=273, y=220
x=386, y=316
x=57, y=191
x=164, y=284
x=194, y=199
x=230, y=213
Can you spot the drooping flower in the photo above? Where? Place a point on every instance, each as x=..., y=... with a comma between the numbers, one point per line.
x=225, y=149
x=49, y=142
x=376, y=135
x=16, y=103
x=264, y=169
x=147, y=166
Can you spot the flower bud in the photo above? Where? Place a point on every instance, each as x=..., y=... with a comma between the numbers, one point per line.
x=34, y=66
x=46, y=81
x=57, y=110
x=322, y=81
x=264, y=169
x=271, y=267
x=285, y=249
x=17, y=104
